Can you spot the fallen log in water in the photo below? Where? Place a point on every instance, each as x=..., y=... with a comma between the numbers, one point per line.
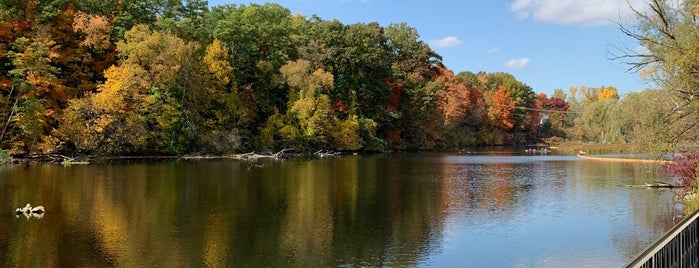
x=654, y=185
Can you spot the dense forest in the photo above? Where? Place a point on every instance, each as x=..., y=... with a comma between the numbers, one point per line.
x=153, y=77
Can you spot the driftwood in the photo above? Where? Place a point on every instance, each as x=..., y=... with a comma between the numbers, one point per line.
x=324, y=153
x=654, y=185
x=246, y=156
x=251, y=156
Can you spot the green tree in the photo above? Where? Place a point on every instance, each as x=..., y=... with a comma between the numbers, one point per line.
x=597, y=120
x=412, y=65
x=649, y=121
x=670, y=34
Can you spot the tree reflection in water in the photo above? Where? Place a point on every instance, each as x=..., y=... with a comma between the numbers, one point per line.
x=374, y=210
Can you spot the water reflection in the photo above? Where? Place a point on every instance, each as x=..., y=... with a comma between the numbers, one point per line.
x=378, y=210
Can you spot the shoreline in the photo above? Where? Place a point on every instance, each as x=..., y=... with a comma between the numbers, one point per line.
x=623, y=160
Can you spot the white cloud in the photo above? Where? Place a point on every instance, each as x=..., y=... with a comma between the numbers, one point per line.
x=519, y=63
x=492, y=51
x=446, y=42
x=576, y=12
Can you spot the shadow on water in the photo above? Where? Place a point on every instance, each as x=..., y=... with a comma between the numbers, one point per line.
x=401, y=209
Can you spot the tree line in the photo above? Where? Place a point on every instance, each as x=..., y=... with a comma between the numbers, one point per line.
x=149, y=77
x=176, y=77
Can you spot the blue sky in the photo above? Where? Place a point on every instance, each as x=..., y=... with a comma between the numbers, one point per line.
x=546, y=44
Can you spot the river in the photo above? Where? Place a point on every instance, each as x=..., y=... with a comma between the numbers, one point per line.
x=487, y=209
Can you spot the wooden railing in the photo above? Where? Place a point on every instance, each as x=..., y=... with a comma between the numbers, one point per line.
x=679, y=247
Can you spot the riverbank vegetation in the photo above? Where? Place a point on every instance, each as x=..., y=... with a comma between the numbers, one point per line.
x=684, y=168
x=179, y=77
x=172, y=78
x=669, y=34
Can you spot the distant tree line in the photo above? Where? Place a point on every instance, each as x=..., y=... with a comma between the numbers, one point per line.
x=146, y=77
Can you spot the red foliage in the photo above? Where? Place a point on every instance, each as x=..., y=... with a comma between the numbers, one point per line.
x=393, y=136
x=556, y=104
x=396, y=89
x=341, y=107
x=21, y=25
x=684, y=167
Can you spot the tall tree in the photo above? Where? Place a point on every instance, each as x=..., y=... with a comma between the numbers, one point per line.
x=33, y=79
x=669, y=32
x=501, y=109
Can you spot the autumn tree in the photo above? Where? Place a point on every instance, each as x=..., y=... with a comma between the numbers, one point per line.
x=95, y=29
x=455, y=99
x=607, y=93
x=145, y=104
x=556, y=111
x=500, y=111
x=312, y=109
x=500, y=115
x=33, y=80
x=412, y=67
x=523, y=98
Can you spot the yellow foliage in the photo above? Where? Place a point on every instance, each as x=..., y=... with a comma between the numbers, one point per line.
x=307, y=84
x=346, y=134
x=608, y=92
x=322, y=78
x=296, y=72
x=123, y=83
x=216, y=60
x=314, y=115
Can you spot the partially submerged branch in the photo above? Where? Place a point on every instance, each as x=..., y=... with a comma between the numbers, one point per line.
x=325, y=153
x=654, y=185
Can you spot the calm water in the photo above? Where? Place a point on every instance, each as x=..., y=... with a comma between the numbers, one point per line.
x=427, y=209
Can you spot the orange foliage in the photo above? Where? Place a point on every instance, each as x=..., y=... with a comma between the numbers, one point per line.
x=5, y=84
x=478, y=109
x=97, y=30
x=501, y=111
x=5, y=36
x=455, y=99
x=607, y=92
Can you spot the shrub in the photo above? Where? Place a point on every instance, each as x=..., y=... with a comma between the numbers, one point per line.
x=684, y=167
x=4, y=157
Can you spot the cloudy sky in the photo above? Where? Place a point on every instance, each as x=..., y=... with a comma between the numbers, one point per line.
x=546, y=44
